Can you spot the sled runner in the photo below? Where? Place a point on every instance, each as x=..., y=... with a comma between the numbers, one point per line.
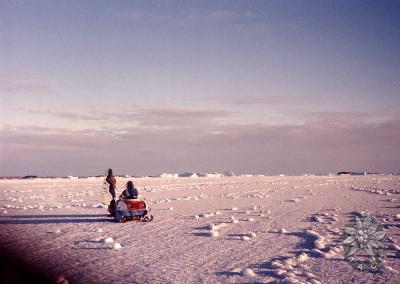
x=132, y=210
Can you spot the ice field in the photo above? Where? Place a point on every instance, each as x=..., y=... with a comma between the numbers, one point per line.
x=254, y=229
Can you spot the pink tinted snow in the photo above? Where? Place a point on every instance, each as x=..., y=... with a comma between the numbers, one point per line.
x=221, y=229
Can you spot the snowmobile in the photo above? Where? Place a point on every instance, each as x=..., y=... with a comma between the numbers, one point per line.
x=129, y=209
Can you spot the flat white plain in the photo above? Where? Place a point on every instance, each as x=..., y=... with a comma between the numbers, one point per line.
x=221, y=229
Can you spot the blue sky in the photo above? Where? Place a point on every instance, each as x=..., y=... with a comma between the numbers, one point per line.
x=150, y=86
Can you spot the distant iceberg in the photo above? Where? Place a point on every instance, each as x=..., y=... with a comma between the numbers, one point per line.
x=188, y=174
x=72, y=177
x=165, y=175
x=214, y=175
x=195, y=174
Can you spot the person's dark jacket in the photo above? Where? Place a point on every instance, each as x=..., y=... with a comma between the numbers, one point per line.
x=112, y=182
x=130, y=191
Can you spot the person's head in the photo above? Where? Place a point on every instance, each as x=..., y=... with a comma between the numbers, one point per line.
x=129, y=185
x=110, y=172
x=130, y=189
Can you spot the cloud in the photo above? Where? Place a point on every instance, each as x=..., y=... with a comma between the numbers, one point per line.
x=72, y=116
x=15, y=87
x=317, y=146
x=176, y=118
x=13, y=83
x=308, y=109
x=42, y=138
x=336, y=119
x=269, y=100
x=144, y=117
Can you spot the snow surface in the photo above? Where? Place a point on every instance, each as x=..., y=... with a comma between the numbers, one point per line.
x=250, y=229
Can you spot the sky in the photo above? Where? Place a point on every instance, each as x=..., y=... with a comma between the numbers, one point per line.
x=145, y=87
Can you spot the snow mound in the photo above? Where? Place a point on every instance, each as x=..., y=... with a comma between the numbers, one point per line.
x=316, y=219
x=221, y=225
x=213, y=233
x=252, y=235
x=117, y=246
x=234, y=220
x=302, y=257
x=61, y=280
x=108, y=240
x=247, y=272
x=213, y=227
x=245, y=238
x=99, y=205
x=206, y=215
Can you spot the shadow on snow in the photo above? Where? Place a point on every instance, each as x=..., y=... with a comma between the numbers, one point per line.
x=54, y=219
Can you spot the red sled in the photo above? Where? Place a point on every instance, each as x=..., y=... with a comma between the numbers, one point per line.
x=132, y=210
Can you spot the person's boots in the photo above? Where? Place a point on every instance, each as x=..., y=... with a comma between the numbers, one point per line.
x=111, y=209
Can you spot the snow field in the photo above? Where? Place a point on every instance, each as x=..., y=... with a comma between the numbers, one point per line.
x=234, y=230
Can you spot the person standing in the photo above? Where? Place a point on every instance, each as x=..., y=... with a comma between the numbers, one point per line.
x=112, y=182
